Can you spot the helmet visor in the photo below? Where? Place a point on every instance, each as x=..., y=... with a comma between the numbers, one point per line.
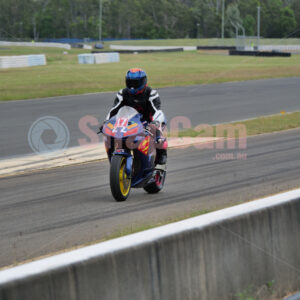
x=134, y=83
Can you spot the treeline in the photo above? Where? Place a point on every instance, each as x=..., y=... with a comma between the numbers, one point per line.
x=38, y=19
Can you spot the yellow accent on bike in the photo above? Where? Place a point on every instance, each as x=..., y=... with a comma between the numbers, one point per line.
x=144, y=145
x=125, y=182
x=132, y=126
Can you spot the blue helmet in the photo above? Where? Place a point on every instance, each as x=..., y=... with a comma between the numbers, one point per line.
x=136, y=81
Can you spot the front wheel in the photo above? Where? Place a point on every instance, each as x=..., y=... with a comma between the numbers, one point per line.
x=157, y=182
x=120, y=184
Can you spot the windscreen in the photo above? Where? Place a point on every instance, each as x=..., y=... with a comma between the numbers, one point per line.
x=126, y=112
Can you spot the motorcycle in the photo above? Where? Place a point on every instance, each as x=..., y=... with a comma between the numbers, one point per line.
x=131, y=148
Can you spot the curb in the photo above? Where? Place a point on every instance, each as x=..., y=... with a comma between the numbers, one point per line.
x=75, y=156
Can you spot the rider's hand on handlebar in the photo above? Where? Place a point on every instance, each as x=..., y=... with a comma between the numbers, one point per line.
x=155, y=123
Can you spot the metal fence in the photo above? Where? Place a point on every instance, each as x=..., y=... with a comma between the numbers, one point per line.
x=247, y=43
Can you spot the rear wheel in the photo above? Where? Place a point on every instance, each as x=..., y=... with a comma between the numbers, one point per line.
x=120, y=184
x=157, y=182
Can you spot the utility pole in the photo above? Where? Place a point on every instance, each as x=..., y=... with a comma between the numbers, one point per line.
x=223, y=18
x=100, y=20
x=258, y=27
x=198, y=30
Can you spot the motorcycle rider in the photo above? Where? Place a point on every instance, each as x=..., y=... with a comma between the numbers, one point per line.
x=146, y=101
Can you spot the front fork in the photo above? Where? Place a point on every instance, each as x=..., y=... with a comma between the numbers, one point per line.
x=129, y=161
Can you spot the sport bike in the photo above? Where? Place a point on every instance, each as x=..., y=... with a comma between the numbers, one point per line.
x=131, y=148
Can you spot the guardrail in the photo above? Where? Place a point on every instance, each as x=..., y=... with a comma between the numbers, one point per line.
x=21, y=61
x=213, y=256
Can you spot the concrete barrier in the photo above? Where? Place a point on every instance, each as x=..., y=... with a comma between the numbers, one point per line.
x=293, y=297
x=106, y=58
x=36, y=44
x=86, y=59
x=98, y=58
x=22, y=61
x=87, y=47
x=213, y=256
x=150, y=49
x=36, y=60
x=7, y=62
x=215, y=48
x=281, y=48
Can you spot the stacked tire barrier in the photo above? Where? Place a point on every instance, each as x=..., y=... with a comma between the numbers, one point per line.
x=22, y=61
x=98, y=58
x=259, y=53
x=214, y=256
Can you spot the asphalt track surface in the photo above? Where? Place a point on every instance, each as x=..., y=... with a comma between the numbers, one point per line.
x=203, y=104
x=53, y=210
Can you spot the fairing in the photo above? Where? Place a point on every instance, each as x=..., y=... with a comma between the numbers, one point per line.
x=126, y=129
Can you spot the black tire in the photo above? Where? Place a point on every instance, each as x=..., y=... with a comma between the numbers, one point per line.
x=156, y=186
x=119, y=192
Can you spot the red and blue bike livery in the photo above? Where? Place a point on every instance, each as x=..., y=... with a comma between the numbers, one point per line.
x=131, y=148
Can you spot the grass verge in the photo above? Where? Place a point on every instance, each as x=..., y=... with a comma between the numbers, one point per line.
x=267, y=124
x=64, y=76
x=140, y=228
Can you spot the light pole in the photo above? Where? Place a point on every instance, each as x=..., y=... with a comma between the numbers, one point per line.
x=100, y=20
x=223, y=18
x=258, y=27
x=198, y=30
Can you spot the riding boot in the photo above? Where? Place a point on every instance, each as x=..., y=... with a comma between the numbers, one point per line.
x=161, y=150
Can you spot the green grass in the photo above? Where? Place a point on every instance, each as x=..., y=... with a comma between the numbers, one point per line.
x=140, y=228
x=268, y=124
x=272, y=123
x=64, y=76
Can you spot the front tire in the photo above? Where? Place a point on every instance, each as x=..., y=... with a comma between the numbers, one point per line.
x=120, y=184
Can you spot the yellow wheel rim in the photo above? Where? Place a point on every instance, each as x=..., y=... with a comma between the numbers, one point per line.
x=125, y=182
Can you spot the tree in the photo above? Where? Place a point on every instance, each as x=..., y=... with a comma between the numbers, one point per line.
x=40, y=19
x=233, y=19
x=250, y=25
x=277, y=21
x=288, y=22
x=296, y=9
